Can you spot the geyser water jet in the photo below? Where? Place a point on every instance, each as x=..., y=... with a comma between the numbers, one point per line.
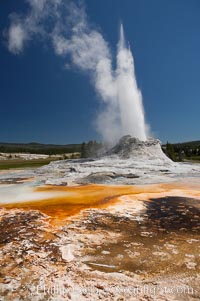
x=124, y=112
x=129, y=96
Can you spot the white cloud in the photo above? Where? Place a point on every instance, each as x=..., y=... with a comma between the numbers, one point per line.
x=17, y=38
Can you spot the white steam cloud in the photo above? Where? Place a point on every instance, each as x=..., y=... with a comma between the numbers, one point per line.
x=65, y=24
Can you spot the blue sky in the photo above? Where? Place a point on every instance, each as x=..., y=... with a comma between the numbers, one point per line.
x=43, y=101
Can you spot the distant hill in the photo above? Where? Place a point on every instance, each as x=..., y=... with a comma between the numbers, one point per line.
x=195, y=143
x=192, y=144
x=183, y=150
x=39, y=148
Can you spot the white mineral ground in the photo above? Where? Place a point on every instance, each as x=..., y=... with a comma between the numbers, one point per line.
x=131, y=232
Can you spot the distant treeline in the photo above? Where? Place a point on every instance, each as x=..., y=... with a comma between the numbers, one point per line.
x=38, y=148
x=86, y=149
x=183, y=151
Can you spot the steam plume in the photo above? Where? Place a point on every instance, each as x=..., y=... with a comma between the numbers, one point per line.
x=74, y=38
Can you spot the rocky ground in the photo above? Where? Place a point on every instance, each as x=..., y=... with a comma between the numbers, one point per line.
x=91, y=242
x=131, y=250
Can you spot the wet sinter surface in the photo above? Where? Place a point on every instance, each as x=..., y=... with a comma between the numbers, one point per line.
x=163, y=241
x=81, y=234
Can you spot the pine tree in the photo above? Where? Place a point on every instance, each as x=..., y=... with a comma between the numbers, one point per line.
x=170, y=151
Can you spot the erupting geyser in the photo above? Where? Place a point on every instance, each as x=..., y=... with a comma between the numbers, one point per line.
x=128, y=94
x=74, y=38
x=123, y=113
